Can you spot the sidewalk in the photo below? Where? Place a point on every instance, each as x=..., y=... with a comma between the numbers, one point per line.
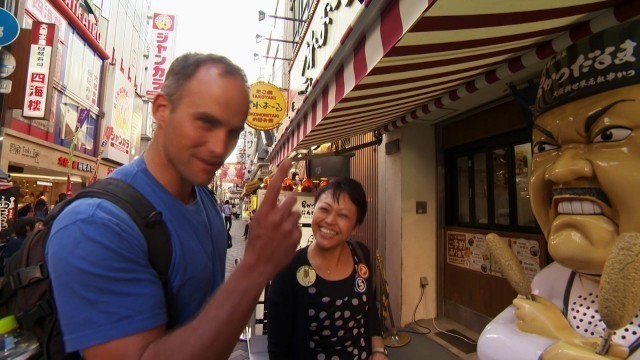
x=240, y=352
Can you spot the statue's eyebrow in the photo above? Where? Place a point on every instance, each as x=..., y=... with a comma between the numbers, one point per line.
x=594, y=116
x=545, y=132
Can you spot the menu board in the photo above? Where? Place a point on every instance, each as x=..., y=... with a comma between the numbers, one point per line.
x=469, y=251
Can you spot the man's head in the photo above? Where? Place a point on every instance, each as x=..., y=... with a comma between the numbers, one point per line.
x=185, y=67
x=586, y=144
x=200, y=114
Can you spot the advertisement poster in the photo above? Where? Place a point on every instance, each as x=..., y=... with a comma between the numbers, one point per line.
x=469, y=251
x=305, y=204
x=119, y=145
x=161, y=52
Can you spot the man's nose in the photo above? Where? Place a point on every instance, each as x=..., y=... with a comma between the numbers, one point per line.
x=570, y=165
x=217, y=143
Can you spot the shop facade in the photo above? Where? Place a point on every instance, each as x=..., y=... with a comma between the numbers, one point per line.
x=37, y=166
x=77, y=90
x=449, y=93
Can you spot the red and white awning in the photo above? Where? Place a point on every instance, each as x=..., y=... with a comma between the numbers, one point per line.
x=419, y=57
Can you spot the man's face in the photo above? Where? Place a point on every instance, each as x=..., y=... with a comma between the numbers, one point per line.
x=586, y=176
x=201, y=129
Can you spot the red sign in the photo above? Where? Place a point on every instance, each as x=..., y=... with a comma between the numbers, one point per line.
x=42, y=36
x=161, y=51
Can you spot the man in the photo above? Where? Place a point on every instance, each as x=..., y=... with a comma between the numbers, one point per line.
x=110, y=301
x=584, y=194
x=227, y=211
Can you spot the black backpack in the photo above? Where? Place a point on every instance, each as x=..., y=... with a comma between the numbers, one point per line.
x=25, y=291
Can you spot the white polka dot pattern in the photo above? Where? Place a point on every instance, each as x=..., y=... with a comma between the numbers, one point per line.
x=582, y=313
x=336, y=318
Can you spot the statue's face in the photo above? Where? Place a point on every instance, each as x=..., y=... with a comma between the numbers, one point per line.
x=585, y=182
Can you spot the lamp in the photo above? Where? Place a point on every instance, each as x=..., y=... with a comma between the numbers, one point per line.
x=257, y=57
x=262, y=15
x=90, y=10
x=259, y=38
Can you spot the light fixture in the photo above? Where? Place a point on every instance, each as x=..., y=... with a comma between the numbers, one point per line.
x=90, y=10
x=262, y=15
x=259, y=38
x=257, y=57
x=74, y=178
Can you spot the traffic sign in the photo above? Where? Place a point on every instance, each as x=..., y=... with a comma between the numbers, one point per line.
x=9, y=27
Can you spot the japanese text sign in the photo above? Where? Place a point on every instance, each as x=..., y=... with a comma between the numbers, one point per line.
x=267, y=106
x=42, y=36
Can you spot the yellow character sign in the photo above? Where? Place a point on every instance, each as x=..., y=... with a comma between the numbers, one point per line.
x=267, y=106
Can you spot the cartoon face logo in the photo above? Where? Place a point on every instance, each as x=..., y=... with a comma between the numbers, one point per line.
x=163, y=22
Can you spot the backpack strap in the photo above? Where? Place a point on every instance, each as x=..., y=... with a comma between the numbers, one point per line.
x=146, y=217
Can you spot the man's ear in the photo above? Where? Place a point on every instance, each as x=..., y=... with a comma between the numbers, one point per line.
x=161, y=108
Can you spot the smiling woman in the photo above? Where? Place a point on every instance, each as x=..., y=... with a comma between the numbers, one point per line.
x=328, y=286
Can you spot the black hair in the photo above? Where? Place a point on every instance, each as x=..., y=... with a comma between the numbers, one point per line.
x=354, y=191
x=24, y=225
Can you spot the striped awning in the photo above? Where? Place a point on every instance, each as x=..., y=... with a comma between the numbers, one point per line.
x=429, y=60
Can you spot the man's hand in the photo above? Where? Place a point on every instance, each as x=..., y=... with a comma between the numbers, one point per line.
x=274, y=234
x=542, y=317
x=582, y=350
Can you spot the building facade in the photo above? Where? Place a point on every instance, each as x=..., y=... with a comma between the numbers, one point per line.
x=447, y=88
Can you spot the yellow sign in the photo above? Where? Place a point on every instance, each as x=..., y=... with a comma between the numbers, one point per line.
x=267, y=106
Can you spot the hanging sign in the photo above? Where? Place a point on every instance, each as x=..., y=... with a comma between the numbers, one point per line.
x=9, y=27
x=267, y=106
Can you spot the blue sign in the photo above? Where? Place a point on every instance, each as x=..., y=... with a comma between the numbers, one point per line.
x=9, y=27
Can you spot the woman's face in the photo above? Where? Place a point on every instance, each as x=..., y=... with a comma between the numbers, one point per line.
x=333, y=221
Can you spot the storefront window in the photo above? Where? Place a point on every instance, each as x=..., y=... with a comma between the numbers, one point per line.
x=463, y=190
x=523, y=172
x=480, y=187
x=488, y=185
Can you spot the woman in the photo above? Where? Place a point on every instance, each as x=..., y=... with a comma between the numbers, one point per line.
x=322, y=305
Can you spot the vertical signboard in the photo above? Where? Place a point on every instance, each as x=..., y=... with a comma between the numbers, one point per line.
x=35, y=102
x=161, y=52
x=119, y=145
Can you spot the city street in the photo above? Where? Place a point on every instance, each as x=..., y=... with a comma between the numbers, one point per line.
x=234, y=254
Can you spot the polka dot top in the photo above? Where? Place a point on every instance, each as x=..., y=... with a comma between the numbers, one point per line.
x=336, y=319
x=310, y=317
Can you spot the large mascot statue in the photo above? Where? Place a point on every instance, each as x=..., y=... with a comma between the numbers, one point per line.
x=585, y=194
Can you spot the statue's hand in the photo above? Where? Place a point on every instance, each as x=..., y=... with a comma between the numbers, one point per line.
x=582, y=349
x=542, y=317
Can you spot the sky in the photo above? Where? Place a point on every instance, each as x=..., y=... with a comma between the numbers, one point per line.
x=227, y=28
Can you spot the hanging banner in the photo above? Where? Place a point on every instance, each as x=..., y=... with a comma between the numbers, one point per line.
x=42, y=37
x=83, y=116
x=103, y=144
x=161, y=52
x=267, y=106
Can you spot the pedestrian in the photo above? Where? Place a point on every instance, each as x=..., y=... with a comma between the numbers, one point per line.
x=41, y=208
x=22, y=228
x=246, y=226
x=110, y=301
x=61, y=197
x=322, y=305
x=227, y=211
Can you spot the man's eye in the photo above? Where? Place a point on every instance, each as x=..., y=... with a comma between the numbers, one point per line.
x=542, y=146
x=612, y=134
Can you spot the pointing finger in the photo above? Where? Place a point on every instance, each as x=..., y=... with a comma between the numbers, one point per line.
x=273, y=190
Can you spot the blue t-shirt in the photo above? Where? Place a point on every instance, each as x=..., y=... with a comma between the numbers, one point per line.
x=103, y=284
